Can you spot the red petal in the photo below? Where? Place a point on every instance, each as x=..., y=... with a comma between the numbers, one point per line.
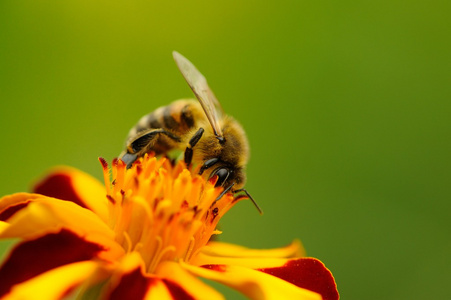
x=177, y=292
x=32, y=258
x=307, y=273
x=7, y=213
x=59, y=185
x=219, y=268
x=134, y=285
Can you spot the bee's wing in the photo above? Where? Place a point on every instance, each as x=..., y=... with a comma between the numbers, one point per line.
x=204, y=94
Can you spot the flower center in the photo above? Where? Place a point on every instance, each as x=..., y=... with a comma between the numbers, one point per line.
x=162, y=211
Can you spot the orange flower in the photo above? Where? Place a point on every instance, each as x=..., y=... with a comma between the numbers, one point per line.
x=146, y=235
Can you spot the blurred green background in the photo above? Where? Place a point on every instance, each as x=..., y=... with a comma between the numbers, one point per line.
x=346, y=105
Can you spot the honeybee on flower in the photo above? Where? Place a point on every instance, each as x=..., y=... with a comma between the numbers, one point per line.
x=208, y=136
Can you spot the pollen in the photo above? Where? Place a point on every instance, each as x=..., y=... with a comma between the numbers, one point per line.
x=161, y=210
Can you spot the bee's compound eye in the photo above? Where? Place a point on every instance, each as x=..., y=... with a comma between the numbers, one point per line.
x=223, y=174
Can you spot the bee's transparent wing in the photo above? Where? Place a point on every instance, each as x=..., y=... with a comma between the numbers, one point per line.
x=204, y=94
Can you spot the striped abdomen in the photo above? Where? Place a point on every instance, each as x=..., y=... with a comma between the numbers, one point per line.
x=178, y=118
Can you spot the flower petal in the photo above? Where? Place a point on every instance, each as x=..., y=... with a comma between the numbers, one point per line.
x=32, y=258
x=248, y=262
x=48, y=214
x=230, y=254
x=54, y=284
x=215, y=248
x=135, y=285
x=308, y=273
x=252, y=283
x=131, y=283
x=193, y=286
x=3, y=226
x=11, y=204
x=70, y=184
x=218, y=253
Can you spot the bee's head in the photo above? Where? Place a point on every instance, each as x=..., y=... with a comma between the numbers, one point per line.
x=231, y=176
x=232, y=179
x=224, y=156
x=227, y=174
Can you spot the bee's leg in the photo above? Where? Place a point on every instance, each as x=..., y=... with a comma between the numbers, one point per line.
x=128, y=159
x=192, y=142
x=141, y=142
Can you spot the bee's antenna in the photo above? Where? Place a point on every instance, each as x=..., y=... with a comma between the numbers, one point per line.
x=252, y=199
x=208, y=164
x=227, y=189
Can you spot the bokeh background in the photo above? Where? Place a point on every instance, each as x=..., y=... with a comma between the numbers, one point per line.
x=346, y=105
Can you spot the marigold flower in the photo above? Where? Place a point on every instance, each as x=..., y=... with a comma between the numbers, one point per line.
x=146, y=234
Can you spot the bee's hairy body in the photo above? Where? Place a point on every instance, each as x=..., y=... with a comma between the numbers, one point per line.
x=182, y=119
x=209, y=138
x=178, y=118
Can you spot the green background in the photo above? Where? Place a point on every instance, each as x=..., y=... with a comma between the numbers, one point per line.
x=346, y=105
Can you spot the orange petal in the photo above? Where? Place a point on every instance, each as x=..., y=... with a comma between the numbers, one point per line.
x=46, y=214
x=127, y=272
x=248, y=262
x=230, y=254
x=11, y=204
x=54, y=284
x=32, y=258
x=70, y=184
x=134, y=285
x=214, y=248
x=3, y=226
x=130, y=282
x=193, y=286
x=252, y=283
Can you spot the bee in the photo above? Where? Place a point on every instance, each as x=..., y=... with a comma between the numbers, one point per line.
x=208, y=136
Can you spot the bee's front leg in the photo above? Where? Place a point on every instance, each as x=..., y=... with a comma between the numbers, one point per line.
x=192, y=142
x=143, y=142
x=129, y=159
